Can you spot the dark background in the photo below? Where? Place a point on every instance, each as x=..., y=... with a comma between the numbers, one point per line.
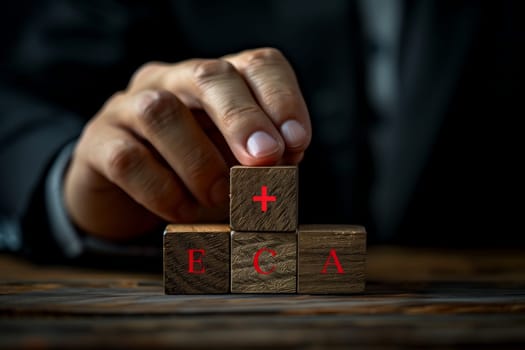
x=455, y=178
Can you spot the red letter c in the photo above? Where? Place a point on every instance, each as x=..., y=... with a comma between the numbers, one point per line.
x=256, y=261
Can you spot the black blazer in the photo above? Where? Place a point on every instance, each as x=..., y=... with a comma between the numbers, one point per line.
x=451, y=171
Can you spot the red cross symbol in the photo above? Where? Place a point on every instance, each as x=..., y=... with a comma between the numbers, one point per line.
x=264, y=198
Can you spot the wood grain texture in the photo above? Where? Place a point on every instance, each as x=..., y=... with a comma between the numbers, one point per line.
x=452, y=299
x=211, y=270
x=247, y=214
x=318, y=270
x=244, y=276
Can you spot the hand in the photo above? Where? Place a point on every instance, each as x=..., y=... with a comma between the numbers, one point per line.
x=161, y=150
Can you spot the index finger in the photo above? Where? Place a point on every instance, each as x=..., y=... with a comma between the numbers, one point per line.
x=218, y=88
x=274, y=85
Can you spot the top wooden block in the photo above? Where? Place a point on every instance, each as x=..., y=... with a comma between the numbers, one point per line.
x=263, y=199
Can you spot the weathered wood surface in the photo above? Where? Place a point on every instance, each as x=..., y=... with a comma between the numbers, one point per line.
x=263, y=198
x=415, y=298
x=275, y=255
x=197, y=259
x=331, y=259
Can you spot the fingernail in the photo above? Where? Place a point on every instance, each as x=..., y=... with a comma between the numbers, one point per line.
x=261, y=144
x=293, y=133
x=219, y=191
x=187, y=212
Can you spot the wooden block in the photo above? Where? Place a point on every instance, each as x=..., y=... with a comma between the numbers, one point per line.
x=263, y=262
x=197, y=259
x=263, y=199
x=331, y=259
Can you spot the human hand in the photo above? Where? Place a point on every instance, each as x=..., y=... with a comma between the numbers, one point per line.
x=161, y=150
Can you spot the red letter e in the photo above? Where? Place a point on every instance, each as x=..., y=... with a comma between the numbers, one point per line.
x=192, y=260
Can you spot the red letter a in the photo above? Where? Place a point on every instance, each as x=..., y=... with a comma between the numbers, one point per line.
x=336, y=262
x=192, y=260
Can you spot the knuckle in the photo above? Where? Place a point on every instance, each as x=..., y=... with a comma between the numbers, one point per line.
x=279, y=99
x=159, y=112
x=280, y=94
x=233, y=114
x=264, y=56
x=111, y=103
x=123, y=159
x=117, y=97
x=145, y=70
x=206, y=71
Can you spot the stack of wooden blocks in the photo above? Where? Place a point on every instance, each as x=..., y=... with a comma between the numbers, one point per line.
x=263, y=250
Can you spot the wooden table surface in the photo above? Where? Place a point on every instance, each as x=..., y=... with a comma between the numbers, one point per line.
x=415, y=298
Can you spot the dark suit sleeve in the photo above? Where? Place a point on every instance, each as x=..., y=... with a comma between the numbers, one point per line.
x=32, y=133
x=69, y=57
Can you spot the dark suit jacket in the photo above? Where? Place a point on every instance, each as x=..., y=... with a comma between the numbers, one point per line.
x=451, y=170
